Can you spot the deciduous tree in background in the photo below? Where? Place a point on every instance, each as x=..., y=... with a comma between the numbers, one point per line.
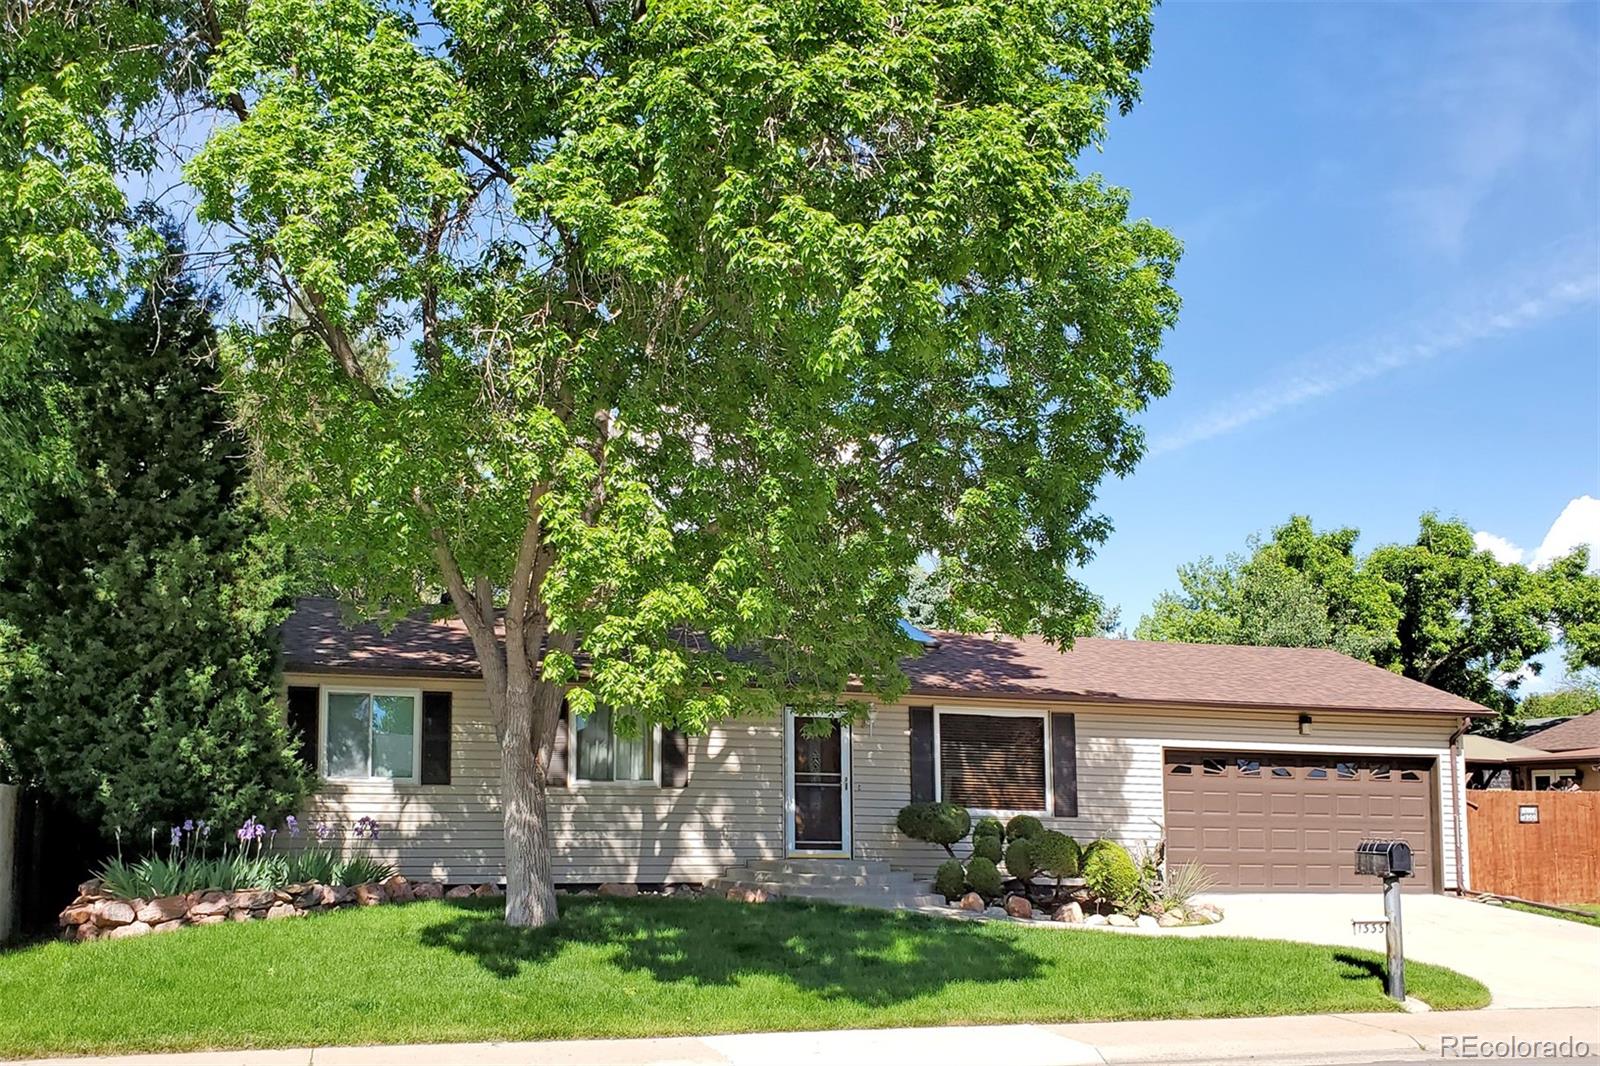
x=661, y=331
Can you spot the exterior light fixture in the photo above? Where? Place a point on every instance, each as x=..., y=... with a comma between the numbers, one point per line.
x=1305, y=725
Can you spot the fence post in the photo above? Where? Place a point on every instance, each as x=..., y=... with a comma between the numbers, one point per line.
x=8, y=861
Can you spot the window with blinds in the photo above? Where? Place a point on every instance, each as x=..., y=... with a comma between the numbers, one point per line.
x=992, y=762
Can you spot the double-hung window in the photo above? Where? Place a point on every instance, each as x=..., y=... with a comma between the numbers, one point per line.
x=370, y=734
x=603, y=755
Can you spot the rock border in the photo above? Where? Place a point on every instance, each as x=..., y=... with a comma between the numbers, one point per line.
x=94, y=915
x=1018, y=908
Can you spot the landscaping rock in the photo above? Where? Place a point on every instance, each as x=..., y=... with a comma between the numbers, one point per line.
x=488, y=890
x=316, y=896
x=747, y=895
x=1019, y=907
x=459, y=892
x=164, y=909
x=399, y=889
x=612, y=888
x=252, y=899
x=342, y=894
x=239, y=914
x=1121, y=921
x=77, y=914
x=131, y=929
x=1147, y=921
x=1178, y=913
x=427, y=890
x=86, y=931
x=996, y=911
x=283, y=895
x=110, y=912
x=1068, y=912
x=91, y=887
x=370, y=895
x=1168, y=920
x=207, y=919
x=1097, y=919
x=169, y=927
x=283, y=910
x=208, y=905
x=971, y=902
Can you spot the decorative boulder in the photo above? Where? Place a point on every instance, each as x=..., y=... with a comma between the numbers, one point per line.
x=86, y=931
x=488, y=890
x=316, y=896
x=131, y=929
x=972, y=902
x=1019, y=907
x=169, y=927
x=283, y=910
x=252, y=899
x=398, y=889
x=612, y=888
x=209, y=905
x=1168, y=920
x=740, y=894
x=164, y=909
x=78, y=914
x=1068, y=912
x=459, y=892
x=370, y=895
x=1121, y=921
x=1147, y=921
x=427, y=890
x=343, y=894
x=1097, y=919
x=111, y=912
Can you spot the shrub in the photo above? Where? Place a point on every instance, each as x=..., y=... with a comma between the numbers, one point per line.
x=983, y=877
x=362, y=869
x=1020, y=862
x=988, y=847
x=1056, y=854
x=989, y=825
x=950, y=881
x=1024, y=827
x=935, y=823
x=1109, y=871
x=1184, y=882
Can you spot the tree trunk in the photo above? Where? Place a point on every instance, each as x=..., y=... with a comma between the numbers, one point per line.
x=530, y=711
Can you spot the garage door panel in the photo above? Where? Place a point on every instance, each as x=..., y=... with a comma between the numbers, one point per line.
x=1255, y=827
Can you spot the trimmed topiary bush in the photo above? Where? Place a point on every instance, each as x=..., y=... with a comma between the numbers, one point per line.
x=988, y=847
x=1023, y=827
x=1019, y=859
x=983, y=877
x=935, y=823
x=988, y=824
x=1109, y=871
x=1056, y=854
x=950, y=880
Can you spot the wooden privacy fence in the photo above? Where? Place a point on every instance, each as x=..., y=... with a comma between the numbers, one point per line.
x=1541, y=846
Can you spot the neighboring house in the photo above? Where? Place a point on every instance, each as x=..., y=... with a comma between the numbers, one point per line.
x=1265, y=764
x=1564, y=753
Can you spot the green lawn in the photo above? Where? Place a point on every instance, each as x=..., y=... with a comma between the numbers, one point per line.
x=646, y=967
x=1591, y=915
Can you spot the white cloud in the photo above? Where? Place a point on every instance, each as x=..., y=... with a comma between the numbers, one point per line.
x=1577, y=524
x=1348, y=365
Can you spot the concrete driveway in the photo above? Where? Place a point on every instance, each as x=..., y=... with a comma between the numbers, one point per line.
x=1526, y=960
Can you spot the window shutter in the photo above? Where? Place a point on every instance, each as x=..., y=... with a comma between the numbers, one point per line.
x=557, y=777
x=922, y=755
x=992, y=762
x=305, y=713
x=1064, y=764
x=674, y=759
x=436, y=713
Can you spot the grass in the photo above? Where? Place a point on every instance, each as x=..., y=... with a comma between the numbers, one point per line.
x=1591, y=915
x=452, y=971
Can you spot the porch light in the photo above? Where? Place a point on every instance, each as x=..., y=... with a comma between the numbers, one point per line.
x=1305, y=725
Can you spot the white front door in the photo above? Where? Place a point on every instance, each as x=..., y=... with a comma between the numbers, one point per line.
x=816, y=788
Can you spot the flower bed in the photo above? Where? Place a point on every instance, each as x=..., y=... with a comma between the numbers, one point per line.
x=95, y=914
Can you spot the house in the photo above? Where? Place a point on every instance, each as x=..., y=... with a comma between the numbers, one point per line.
x=1265, y=764
x=1569, y=751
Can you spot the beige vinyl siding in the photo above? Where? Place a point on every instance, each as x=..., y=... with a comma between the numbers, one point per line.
x=731, y=809
x=1120, y=767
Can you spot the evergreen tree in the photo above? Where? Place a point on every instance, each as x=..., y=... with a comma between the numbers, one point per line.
x=139, y=598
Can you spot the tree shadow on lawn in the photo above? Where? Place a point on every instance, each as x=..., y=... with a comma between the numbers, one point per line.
x=867, y=956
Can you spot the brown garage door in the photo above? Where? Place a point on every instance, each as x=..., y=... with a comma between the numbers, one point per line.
x=1269, y=822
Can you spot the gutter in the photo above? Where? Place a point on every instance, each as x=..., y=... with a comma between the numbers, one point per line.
x=1457, y=791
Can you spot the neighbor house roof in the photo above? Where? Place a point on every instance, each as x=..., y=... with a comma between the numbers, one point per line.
x=1488, y=751
x=1574, y=733
x=317, y=640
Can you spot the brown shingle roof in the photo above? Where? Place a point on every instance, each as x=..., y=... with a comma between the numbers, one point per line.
x=1571, y=735
x=315, y=639
x=1150, y=672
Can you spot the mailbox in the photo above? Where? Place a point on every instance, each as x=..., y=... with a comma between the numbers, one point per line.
x=1383, y=858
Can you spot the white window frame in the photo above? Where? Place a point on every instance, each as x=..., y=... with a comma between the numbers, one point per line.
x=369, y=691
x=574, y=781
x=996, y=712
x=846, y=797
x=1552, y=776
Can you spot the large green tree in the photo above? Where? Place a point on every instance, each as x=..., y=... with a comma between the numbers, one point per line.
x=1437, y=609
x=660, y=331
x=138, y=602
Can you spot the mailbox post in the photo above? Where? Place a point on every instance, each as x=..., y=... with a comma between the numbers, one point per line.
x=1390, y=860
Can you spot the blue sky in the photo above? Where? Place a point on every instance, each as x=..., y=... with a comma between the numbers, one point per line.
x=1391, y=281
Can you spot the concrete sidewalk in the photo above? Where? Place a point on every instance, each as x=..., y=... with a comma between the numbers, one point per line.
x=1305, y=1040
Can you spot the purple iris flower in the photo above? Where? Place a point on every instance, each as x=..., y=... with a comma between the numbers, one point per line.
x=188, y=825
x=177, y=836
x=323, y=830
x=293, y=825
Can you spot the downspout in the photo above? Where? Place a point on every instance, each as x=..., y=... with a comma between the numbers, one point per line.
x=1458, y=788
